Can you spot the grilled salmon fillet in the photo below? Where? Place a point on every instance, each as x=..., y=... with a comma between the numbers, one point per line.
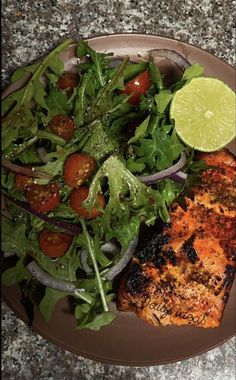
x=184, y=274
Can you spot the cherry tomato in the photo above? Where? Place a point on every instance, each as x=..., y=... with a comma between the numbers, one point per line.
x=68, y=81
x=54, y=244
x=78, y=168
x=23, y=181
x=138, y=85
x=62, y=126
x=43, y=198
x=78, y=196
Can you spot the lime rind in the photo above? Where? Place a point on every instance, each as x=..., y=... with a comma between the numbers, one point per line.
x=204, y=114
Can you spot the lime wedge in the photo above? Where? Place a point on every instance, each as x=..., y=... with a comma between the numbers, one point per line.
x=204, y=114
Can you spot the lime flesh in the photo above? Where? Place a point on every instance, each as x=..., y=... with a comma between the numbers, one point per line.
x=204, y=114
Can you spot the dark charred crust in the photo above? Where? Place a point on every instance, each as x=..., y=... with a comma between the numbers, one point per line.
x=188, y=249
x=170, y=255
x=148, y=253
x=160, y=261
x=136, y=281
x=201, y=277
x=229, y=276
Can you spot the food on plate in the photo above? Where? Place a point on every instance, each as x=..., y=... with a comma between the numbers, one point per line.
x=204, y=101
x=92, y=156
x=184, y=274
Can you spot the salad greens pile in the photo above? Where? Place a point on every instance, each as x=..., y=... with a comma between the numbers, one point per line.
x=102, y=115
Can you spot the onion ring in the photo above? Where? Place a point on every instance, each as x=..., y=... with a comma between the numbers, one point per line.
x=171, y=55
x=153, y=178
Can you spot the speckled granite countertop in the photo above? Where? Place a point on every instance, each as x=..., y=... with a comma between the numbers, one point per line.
x=32, y=28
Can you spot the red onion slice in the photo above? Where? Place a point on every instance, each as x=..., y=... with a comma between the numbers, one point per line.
x=68, y=227
x=121, y=264
x=47, y=280
x=153, y=178
x=51, y=282
x=108, y=247
x=84, y=261
x=23, y=170
x=179, y=176
x=171, y=55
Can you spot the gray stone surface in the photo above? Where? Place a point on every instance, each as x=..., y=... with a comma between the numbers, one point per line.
x=32, y=28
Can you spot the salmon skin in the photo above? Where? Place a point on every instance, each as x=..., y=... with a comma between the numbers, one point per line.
x=184, y=274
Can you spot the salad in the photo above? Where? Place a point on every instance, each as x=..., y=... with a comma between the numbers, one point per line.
x=88, y=156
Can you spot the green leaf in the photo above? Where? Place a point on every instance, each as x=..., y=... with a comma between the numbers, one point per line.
x=85, y=91
x=14, y=275
x=140, y=130
x=99, y=63
x=127, y=195
x=55, y=64
x=163, y=99
x=21, y=72
x=98, y=321
x=160, y=150
x=56, y=167
x=193, y=71
x=14, y=237
x=58, y=101
x=156, y=76
x=64, y=268
x=103, y=100
x=99, y=145
x=133, y=69
x=28, y=157
x=49, y=301
x=40, y=93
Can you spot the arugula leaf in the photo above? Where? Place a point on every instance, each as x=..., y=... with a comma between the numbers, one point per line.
x=193, y=71
x=159, y=151
x=18, y=243
x=124, y=233
x=140, y=130
x=15, y=275
x=99, y=145
x=29, y=156
x=81, y=101
x=156, y=76
x=103, y=100
x=127, y=195
x=22, y=71
x=64, y=268
x=98, y=321
x=99, y=63
x=55, y=167
x=49, y=301
x=134, y=69
x=58, y=102
x=163, y=99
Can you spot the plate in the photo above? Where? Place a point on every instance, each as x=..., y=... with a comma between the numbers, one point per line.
x=129, y=340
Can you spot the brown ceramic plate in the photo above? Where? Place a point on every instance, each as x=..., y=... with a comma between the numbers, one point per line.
x=129, y=340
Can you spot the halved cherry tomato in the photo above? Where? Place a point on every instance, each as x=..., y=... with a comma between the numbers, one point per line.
x=43, y=198
x=68, y=81
x=62, y=126
x=78, y=168
x=54, y=244
x=23, y=181
x=78, y=196
x=138, y=85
